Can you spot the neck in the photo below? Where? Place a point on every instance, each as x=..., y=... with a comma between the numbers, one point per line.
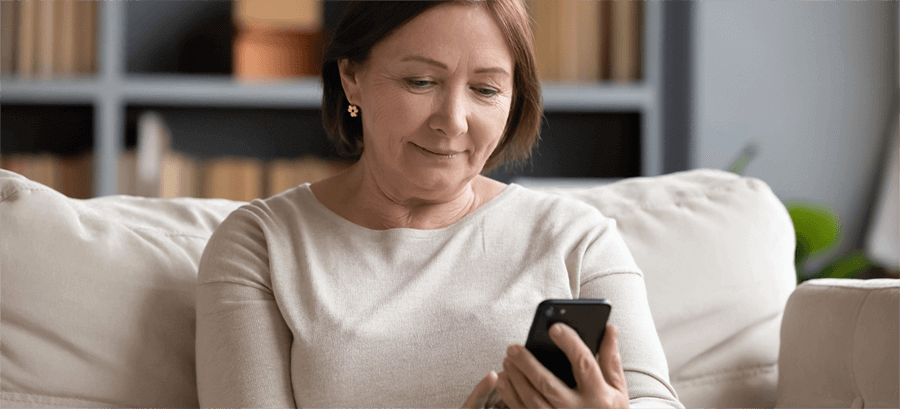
x=360, y=197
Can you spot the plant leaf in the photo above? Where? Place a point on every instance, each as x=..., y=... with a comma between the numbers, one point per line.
x=816, y=225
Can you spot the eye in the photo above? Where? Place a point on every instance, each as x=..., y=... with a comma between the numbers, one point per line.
x=418, y=83
x=486, y=92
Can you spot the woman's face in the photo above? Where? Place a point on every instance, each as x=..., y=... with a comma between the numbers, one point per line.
x=434, y=98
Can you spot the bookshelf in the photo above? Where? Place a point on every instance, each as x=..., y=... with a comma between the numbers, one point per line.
x=121, y=84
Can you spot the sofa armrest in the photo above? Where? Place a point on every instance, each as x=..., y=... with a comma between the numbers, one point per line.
x=840, y=345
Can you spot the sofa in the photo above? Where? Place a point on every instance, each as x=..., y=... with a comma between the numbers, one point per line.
x=97, y=297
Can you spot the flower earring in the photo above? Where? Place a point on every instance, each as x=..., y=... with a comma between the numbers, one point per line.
x=353, y=110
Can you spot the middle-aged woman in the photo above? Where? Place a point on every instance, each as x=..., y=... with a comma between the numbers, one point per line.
x=410, y=279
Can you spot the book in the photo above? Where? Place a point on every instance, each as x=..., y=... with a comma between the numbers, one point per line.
x=44, y=43
x=604, y=31
x=234, y=178
x=545, y=20
x=85, y=49
x=158, y=170
x=283, y=174
x=27, y=19
x=75, y=176
x=277, y=39
x=39, y=167
x=304, y=15
x=625, y=46
x=8, y=30
x=126, y=173
x=579, y=41
x=65, y=38
x=179, y=176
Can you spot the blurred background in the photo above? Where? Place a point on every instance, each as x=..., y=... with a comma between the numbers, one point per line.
x=221, y=99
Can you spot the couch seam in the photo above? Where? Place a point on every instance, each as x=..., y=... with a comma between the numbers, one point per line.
x=148, y=229
x=49, y=397
x=724, y=374
x=705, y=194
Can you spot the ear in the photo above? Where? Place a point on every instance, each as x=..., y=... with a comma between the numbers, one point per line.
x=349, y=80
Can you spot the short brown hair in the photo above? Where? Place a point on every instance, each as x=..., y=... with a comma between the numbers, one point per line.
x=365, y=23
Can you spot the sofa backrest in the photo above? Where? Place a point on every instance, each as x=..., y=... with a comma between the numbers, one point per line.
x=98, y=295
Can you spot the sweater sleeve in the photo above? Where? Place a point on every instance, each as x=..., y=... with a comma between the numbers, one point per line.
x=610, y=272
x=243, y=343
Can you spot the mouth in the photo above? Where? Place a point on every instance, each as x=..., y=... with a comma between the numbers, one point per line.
x=442, y=155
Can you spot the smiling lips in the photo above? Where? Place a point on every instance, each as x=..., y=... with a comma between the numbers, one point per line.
x=437, y=154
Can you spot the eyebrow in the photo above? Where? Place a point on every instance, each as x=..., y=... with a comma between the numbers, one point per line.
x=444, y=66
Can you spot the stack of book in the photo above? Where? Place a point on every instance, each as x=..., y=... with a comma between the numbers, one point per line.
x=587, y=41
x=48, y=39
x=72, y=176
x=277, y=39
x=154, y=169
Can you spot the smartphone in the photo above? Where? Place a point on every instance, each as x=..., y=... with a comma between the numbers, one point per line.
x=587, y=316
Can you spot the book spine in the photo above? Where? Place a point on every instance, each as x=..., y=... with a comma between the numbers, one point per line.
x=233, y=178
x=46, y=22
x=284, y=174
x=545, y=15
x=65, y=39
x=8, y=36
x=27, y=33
x=605, y=34
x=626, y=41
x=568, y=39
x=76, y=176
x=587, y=21
x=179, y=176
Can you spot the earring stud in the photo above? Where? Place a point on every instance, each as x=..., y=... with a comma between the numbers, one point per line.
x=353, y=110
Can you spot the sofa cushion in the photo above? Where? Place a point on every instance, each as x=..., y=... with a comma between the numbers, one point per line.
x=717, y=252
x=106, y=318
x=98, y=297
x=841, y=345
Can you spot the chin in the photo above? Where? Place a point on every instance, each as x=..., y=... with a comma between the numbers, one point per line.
x=438, y=185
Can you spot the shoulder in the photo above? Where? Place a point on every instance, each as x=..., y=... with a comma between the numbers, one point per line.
x=247, y=234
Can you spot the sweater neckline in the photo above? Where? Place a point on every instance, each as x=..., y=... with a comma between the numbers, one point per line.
x=469, y=219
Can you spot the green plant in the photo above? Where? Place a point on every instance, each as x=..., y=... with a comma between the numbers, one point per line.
x=818, y=230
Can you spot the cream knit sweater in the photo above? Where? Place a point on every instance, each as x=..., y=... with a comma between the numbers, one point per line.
x=297, y=306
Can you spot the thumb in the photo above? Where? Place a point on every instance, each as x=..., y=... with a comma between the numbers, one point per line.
x=482, y=391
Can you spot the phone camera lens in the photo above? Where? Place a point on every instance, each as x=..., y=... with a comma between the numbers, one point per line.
x=562, y=310
x=549, y=312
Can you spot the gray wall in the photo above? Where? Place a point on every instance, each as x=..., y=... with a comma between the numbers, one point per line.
x=811, y=83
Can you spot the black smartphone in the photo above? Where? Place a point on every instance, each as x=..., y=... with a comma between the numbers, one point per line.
x=587, y=316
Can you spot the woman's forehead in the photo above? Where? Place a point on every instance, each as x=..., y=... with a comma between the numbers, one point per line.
x=447, y=34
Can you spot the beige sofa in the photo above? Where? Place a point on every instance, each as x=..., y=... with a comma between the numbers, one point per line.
x=98, y=297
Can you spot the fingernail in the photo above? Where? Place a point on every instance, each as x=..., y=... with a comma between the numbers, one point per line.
x=512, y=350
x=556, y=329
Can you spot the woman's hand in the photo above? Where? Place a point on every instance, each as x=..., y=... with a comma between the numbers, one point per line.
x=480, y=395
x=526, y=383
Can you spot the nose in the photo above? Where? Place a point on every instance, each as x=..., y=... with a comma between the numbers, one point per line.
x=450, y=117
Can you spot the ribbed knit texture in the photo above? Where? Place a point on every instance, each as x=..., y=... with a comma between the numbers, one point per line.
x=299, y=307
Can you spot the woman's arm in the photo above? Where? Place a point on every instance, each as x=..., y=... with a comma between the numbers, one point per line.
x=643, y=360
x=243, y=344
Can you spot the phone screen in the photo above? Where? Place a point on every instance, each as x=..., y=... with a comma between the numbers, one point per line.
x=587, y=316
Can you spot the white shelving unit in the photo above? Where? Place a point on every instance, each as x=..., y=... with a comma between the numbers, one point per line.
x=112, y=89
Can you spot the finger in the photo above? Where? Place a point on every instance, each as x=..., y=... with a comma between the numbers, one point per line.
x=507, y=392
x=527, y=393
x=554, y=390
x=584, y=365
x=611, y=360
x=482, y=390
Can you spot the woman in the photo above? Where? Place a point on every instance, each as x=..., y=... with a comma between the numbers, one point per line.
x=409, y=277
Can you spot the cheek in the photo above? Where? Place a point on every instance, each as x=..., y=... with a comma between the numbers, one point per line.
x=492, y=124
x=392, y=116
